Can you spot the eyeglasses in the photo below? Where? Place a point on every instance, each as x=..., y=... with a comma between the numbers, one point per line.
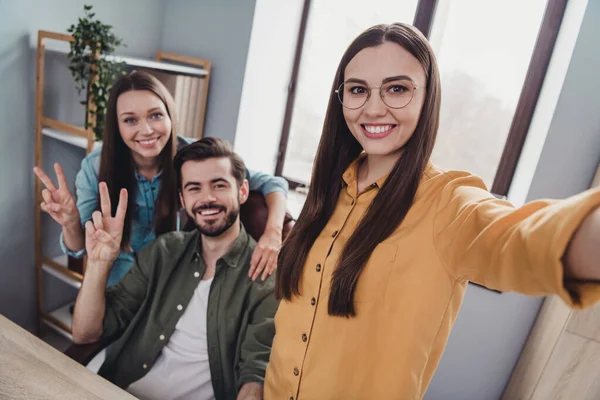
x=395, y=94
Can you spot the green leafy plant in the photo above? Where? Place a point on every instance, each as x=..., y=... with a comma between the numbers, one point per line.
x=88, y=63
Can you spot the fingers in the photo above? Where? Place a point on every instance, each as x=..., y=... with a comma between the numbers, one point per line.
x=62, y=181
x=256, y=256
x=105, y=200
x=44, y=178
x=122, y=206
x=47, y=196
x=104, y=237
x=270, y=268
x=51, y=209
x=260, y=267
x=97, y=218
x=89, y=231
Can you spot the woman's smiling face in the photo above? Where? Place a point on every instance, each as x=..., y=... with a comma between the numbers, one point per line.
x=379, y=128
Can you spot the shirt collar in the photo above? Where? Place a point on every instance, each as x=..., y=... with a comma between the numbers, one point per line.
x=142, y=178
x=350, y=175
x=233, y=256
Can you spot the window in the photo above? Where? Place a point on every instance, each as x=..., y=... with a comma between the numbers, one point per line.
x=483, y=50
x=493, y=58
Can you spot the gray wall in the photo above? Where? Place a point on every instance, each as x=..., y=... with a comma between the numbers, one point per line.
x=491, y=329
x=219, y=31
x=140, y=23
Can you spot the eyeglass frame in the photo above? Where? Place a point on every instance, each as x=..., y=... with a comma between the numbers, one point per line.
x=369, y=88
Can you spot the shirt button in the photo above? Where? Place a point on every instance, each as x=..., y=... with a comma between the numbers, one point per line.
x=296, y=371
x=180, y=307
x=373, y=185
x=334, y=234
x=196, y=274
x=162, y=337
x=304, y=337
x=318, y=267
x=145, y=366
x=313, y=301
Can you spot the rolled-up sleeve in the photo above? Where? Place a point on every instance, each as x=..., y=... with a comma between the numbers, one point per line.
x=265, y=183
x=486, y=240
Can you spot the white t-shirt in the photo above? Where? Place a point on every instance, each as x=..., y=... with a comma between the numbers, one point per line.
x=182, y=370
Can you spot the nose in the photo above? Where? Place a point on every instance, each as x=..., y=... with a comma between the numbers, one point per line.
x=375, y=107
x=207, y=197
x=146, y=128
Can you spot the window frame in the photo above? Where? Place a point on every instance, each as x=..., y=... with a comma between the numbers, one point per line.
x=528, y=98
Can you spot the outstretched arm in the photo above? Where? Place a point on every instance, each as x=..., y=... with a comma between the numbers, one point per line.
x=582, y=258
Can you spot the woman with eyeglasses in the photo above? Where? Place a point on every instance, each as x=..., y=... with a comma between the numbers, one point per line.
x=140, y=141
x=374, y=272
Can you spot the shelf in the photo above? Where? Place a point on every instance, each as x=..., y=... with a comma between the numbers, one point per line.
x=60, y=320
x=77, y=141
x=67, y=133
x=159, y=65
x=57, y=267
x=64, y=48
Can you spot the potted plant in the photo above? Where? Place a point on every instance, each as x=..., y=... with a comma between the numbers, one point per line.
x=92, y=70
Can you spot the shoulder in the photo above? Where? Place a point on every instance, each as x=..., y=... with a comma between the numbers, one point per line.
x=91, y=162
x=87, y=177
x=246, y=250
x=444, y=181
x=454, y=191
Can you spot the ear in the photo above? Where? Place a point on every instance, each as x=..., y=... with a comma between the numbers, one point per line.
x=244, y=192
x=181, y=199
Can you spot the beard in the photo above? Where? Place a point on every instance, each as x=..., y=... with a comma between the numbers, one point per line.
x=219, y=225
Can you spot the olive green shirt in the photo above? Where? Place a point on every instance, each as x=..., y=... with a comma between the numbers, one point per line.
x=144, y=307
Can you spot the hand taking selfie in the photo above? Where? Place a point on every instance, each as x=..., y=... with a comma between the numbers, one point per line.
x=104, y=232
x=58, y=202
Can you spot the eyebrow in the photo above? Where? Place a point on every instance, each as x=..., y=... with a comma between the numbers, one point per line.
x=215, y=180
x=386, y=80
x=148, y=112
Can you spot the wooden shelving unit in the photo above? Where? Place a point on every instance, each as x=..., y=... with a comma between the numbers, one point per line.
x=56, y=268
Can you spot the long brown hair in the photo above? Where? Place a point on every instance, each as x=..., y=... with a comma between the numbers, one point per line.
x=117, y=167
x=337, y=149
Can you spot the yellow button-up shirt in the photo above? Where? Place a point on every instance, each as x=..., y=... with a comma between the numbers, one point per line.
x=409, y=294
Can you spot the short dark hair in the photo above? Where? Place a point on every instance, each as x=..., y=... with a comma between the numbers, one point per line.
x=209, y=147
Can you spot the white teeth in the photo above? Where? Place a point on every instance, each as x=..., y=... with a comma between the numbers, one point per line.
x=150, y=141
x=378, y=129
x=209, y=212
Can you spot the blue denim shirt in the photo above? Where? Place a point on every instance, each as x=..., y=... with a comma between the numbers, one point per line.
x=142, y=227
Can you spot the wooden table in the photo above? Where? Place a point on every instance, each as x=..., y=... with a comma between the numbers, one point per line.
x=32, y=369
